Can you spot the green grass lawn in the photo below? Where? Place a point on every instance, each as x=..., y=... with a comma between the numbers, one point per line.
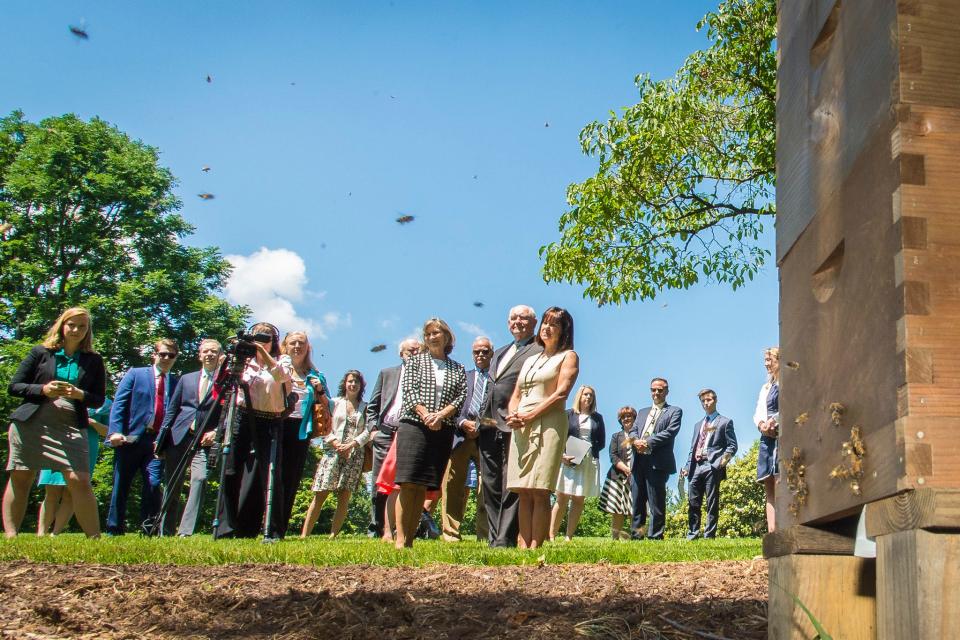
x=321, y=551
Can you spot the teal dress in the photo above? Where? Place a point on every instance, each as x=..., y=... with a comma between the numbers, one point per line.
x=69, y=371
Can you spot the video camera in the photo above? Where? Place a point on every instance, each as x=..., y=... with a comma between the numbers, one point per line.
x=243, y=348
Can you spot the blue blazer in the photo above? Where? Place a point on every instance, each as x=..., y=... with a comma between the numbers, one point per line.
x=184, y=407
x=721, y=441
x=660, y=441
x=132, y=410
x=598, y=431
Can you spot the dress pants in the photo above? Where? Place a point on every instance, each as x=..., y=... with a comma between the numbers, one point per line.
x=242, y=513
x=128, y=460
x=501, y=504
x=649, y=487
x=378, y=501
x=456, y=492
x=291, y=473
x=198, y=479
x=705, y=481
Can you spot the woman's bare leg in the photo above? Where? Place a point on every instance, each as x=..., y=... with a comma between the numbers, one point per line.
x=559, y=510
x=573, y=518
x=15, y=498
x=313, y=512
x=64, y=512
x=616, y=525
x=343, y=503
x=84, y=502
x=409, y=508
x=390, y=514
x=48, y=508
x=769, y=486
x=540, y=522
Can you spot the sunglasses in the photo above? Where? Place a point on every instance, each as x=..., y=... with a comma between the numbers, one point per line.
x=480, y=352
x=166, y=355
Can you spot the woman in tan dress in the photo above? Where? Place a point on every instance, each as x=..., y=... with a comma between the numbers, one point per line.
x=537, y=416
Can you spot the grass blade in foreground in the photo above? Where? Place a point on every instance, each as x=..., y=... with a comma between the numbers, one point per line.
x=321, y=551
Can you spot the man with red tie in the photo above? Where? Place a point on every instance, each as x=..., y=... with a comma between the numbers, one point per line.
x=713, y=446
x=135, y=418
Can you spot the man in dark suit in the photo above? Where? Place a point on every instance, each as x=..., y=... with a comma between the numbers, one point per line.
x=713, y=446
x=135, y=418
x=192, y=401
x=455, y=490
x=653, y=434
x=383, y=418
x=494, y=439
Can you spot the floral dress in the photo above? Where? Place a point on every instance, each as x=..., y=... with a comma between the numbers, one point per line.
x=334, y=472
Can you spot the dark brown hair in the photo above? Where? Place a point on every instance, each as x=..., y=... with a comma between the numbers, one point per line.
x=342, y=388
x=566, y=327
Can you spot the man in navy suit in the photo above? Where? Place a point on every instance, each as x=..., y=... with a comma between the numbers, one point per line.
x=135, y=418
x=192, y=401
x=714, y=444
x=455, y=490
x=653, y=434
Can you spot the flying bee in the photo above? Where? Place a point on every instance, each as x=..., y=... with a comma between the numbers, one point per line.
x=377, y=348
x=80, y=32
x=205, y=168
x=802, y=418
x=478, y=304
x=206, y=196
x=405, y=219
x=209, y=78
x=793, y=365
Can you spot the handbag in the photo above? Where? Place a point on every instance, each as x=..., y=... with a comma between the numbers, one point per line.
x=367, y=459
x=322, y=420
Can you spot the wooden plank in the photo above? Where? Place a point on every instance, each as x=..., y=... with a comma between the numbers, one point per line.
x=838, y=590
x=918, y=585
x=920, y=509
x=806, y=540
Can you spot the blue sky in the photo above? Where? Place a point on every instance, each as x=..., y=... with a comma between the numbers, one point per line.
x=326, y=121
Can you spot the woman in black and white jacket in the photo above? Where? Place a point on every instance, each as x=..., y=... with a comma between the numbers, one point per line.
x=434, y=388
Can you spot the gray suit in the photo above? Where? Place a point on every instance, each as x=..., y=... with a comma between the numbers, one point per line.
x=384, y=393
x=494, y=444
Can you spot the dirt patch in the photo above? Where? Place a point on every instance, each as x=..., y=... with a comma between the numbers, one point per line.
x=670, y=600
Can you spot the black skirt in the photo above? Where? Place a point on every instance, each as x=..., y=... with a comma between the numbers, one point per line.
x=422, y=454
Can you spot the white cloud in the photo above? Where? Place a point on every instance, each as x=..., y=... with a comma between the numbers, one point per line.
x=334, y=319
x=472, y=329
x=270, y=281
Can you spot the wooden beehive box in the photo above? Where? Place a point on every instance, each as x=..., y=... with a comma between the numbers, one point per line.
x=868, y=245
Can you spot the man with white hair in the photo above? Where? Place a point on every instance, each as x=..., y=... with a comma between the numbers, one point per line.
x=383, y=418
x=494, y=439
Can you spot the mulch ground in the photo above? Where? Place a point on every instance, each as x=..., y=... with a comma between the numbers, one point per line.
x=669, y=600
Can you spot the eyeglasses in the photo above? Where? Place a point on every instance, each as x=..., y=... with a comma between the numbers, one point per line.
x=166, y=355
x=480, y=352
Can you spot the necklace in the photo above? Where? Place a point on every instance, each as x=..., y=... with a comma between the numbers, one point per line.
x=532, y=373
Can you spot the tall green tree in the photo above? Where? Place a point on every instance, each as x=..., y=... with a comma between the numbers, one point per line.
x=686, y=175
x=93, y=221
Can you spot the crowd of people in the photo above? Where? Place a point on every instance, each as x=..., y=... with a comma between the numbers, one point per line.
x=428, y=427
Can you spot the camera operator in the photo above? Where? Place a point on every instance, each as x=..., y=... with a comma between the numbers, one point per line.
x=250, y=471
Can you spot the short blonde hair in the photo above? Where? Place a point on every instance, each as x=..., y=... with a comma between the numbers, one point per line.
x=445, y=328
x=54, y=337
x=578, y=400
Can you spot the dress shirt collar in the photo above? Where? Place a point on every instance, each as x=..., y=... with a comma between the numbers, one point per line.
x=713, y=416
x=659, y=407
